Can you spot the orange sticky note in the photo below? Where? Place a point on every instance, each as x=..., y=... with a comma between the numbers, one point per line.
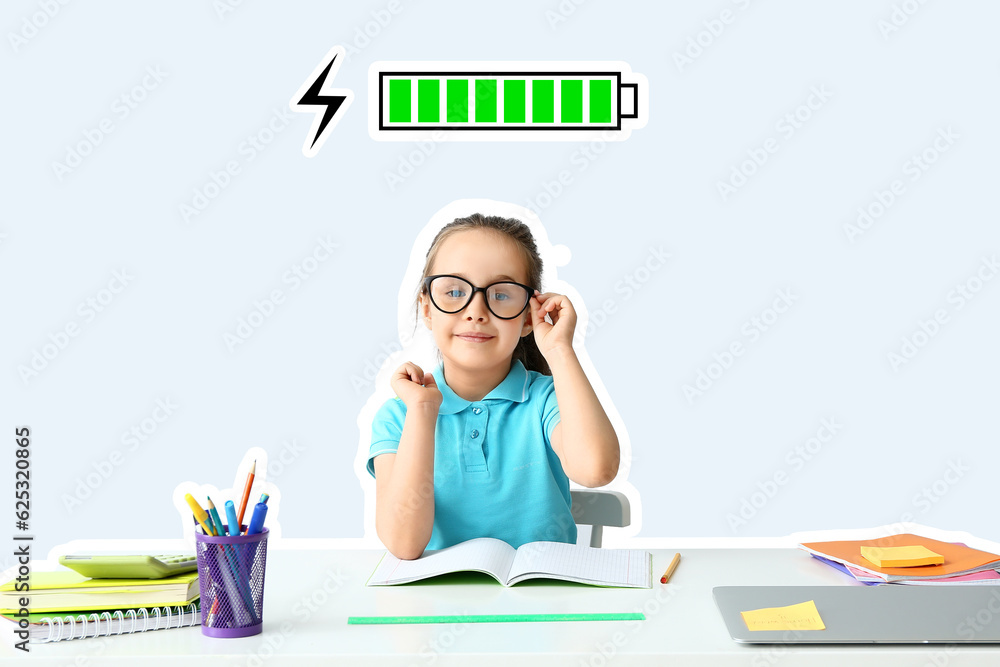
x=904, y=556
x=802, y=616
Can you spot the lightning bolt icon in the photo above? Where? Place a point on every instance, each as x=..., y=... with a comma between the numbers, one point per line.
x=334, y=103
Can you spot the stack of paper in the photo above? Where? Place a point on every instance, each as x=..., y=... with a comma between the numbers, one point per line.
x=68, y=605
x=909, y=559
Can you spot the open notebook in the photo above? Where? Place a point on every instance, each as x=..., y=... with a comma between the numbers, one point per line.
x=626, y=568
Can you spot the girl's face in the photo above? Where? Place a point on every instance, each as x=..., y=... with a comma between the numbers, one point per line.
x=474, y=338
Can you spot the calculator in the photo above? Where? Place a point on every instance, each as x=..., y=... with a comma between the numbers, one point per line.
x=130, y=567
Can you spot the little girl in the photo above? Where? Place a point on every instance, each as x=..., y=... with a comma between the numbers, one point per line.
x=483, y=446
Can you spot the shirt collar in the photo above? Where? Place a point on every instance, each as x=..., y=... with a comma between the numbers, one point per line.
x=513, y=388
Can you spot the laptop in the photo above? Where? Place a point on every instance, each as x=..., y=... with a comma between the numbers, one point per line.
x=885, y=614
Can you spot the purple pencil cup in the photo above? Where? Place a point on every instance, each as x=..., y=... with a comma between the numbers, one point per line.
x=231, y=579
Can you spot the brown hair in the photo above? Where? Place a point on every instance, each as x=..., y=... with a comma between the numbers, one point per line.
x=519, y=234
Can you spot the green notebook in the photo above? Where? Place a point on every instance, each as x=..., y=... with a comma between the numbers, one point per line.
x=66, y=590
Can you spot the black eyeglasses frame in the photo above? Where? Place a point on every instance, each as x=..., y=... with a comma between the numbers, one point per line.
x=529, y=291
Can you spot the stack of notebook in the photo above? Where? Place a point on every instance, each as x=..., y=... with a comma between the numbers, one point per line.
x=909, y=559
x=67, y=605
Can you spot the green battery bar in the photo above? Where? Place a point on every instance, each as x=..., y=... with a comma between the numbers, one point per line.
x=505, y=100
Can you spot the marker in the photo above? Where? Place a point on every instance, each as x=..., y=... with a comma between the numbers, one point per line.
x=257, y=521
x=263, y=498
x=234, y=523
x=199, y=513
x=670, y=570
x=214, y=513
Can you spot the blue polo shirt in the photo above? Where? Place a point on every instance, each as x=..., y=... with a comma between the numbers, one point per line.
x=495, y=474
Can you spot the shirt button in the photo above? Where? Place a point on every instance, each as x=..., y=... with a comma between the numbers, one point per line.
x=475, y=433
x=476, y=411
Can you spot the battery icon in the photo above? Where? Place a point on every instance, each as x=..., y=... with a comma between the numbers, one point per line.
x=505, y=101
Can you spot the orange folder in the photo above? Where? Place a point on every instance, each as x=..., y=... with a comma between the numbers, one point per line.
x=958, y=558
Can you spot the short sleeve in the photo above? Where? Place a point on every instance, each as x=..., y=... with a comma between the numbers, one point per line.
x=550, y=408
x=387, y=428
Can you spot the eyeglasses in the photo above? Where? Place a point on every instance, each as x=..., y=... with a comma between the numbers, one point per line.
x=451, y=294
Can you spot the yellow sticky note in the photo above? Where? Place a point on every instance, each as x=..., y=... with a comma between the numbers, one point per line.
x=901, y=556
x=802, y=616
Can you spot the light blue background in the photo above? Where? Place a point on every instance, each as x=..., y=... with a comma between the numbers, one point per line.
x=297, y=384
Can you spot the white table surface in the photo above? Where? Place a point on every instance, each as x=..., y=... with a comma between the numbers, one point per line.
x=309, y=594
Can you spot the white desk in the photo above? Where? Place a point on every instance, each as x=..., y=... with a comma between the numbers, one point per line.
x=310, y=593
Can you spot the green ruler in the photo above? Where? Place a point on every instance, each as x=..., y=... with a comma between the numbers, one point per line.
x=492, y=618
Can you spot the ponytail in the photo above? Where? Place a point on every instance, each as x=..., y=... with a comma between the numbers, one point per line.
x=527, y=353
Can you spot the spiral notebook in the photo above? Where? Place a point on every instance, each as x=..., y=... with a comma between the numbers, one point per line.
x=54, y=627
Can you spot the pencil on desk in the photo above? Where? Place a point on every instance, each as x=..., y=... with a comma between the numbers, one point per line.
x=670, y=569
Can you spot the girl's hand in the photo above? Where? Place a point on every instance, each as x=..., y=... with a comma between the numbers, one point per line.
x=415, y=387
x=559, y=334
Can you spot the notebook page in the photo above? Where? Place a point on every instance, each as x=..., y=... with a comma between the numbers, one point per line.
x=571, y=562
x=483, y=554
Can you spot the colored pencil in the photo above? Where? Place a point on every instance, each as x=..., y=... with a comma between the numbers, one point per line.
x=670, y=570
x=246, y=496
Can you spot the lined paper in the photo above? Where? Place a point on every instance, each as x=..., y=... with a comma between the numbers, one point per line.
x=484, y=554
x=628, y=568
x=608, y=567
